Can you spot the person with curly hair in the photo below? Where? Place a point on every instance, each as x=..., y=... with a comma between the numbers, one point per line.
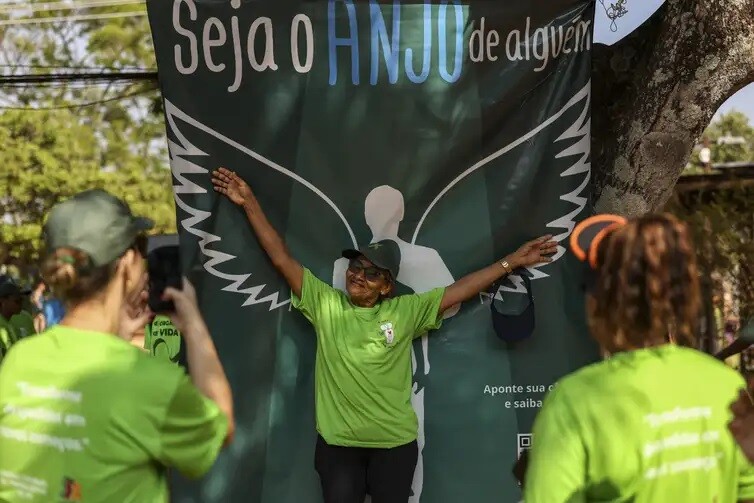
x=650, y=422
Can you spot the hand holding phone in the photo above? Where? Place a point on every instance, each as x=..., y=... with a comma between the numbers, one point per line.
x=164, y=266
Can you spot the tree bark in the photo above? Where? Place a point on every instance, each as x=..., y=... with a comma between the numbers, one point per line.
x=656, y=91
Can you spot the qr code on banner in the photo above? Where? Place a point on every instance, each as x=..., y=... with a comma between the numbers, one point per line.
x=524, y=442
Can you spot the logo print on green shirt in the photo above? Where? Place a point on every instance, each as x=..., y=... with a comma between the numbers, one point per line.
x=71, y=490
x=387, y=331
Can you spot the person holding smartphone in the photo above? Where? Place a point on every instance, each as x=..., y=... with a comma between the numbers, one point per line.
x=367, y=428
x=85, y=415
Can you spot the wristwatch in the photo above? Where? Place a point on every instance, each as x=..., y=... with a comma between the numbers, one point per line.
x=506, y=266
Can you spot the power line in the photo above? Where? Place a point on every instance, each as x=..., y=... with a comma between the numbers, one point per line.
x=83, y=76
x=59, y=6
x=79, y=67
x=67, y=85
x=82, y=105
x=80, y=17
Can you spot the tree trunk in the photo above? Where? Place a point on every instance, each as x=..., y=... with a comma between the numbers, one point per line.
x=655, y=92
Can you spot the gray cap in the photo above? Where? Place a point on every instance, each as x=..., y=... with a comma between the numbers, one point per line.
x=95, y=222
x=385, y=254
x=9, y=288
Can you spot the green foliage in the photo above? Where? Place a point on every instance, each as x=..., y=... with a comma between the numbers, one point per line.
x=731, y=125
x=48, y=156
x=722, y=220
x=722, y=223
x=57, y=148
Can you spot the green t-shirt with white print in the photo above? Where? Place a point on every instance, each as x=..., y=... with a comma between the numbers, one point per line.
x=363, y=363
x=644, y=426
x=86, y=416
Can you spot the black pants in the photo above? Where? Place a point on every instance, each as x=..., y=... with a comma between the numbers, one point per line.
x=347, y=474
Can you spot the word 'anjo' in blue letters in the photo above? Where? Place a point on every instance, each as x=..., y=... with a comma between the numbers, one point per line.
x=388, y=41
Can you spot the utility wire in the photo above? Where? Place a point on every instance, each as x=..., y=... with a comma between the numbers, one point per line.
x=69, y=85
x=81, y=17
x=83, y=76
x=66, y=67
x=81, y=105
x=25, y=6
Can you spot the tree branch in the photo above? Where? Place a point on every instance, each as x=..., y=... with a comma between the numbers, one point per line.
x=657, y=90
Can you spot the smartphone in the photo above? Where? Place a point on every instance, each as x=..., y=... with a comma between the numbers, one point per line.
x=164, y=267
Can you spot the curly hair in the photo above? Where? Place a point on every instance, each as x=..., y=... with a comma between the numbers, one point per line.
x=647, y=286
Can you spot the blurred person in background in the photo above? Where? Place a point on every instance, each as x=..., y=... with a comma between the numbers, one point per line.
x=84, y=414
x=159, y=337
x=7, y=337
x=13, y=299
x=742, y=424
x=729, y=337
x=36, y=302
x=744, y=339
x=649, y=423
x=162, y=339
x=51, y=309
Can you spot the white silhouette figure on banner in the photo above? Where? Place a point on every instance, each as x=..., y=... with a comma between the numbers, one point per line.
x=421, y=269
x=188, y=173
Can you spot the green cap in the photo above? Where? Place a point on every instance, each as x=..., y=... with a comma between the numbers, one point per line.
x=95, y=222
x=385, y=254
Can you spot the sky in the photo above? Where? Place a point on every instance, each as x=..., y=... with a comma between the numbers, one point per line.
x=638, y=12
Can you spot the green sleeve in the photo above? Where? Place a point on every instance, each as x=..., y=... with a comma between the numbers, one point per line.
x=148, y=337
x=745, y=479
x=316, y=295
x=557, y=461
x=23, y=325
x=5, y=341
x=192, y=432
x=12, y=336
x=424, y=309
x=746, y=471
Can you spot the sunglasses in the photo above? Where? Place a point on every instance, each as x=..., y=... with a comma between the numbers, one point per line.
x=371, y=273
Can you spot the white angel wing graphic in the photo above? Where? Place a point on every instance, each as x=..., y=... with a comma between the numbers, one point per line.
x=564, y=224
x=183, y=167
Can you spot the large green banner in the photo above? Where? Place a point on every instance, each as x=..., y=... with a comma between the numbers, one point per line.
x=456, y=129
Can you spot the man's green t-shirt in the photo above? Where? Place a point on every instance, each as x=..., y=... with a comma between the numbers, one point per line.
x=7, y=337
x=23, y=324
x=644, y=426
x=87, y=416
x=363, y=363
x=162, y=339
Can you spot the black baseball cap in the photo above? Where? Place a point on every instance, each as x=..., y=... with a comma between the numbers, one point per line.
x=95, y=222
x=9, y=288
x=385, y=254
x=590, y=233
